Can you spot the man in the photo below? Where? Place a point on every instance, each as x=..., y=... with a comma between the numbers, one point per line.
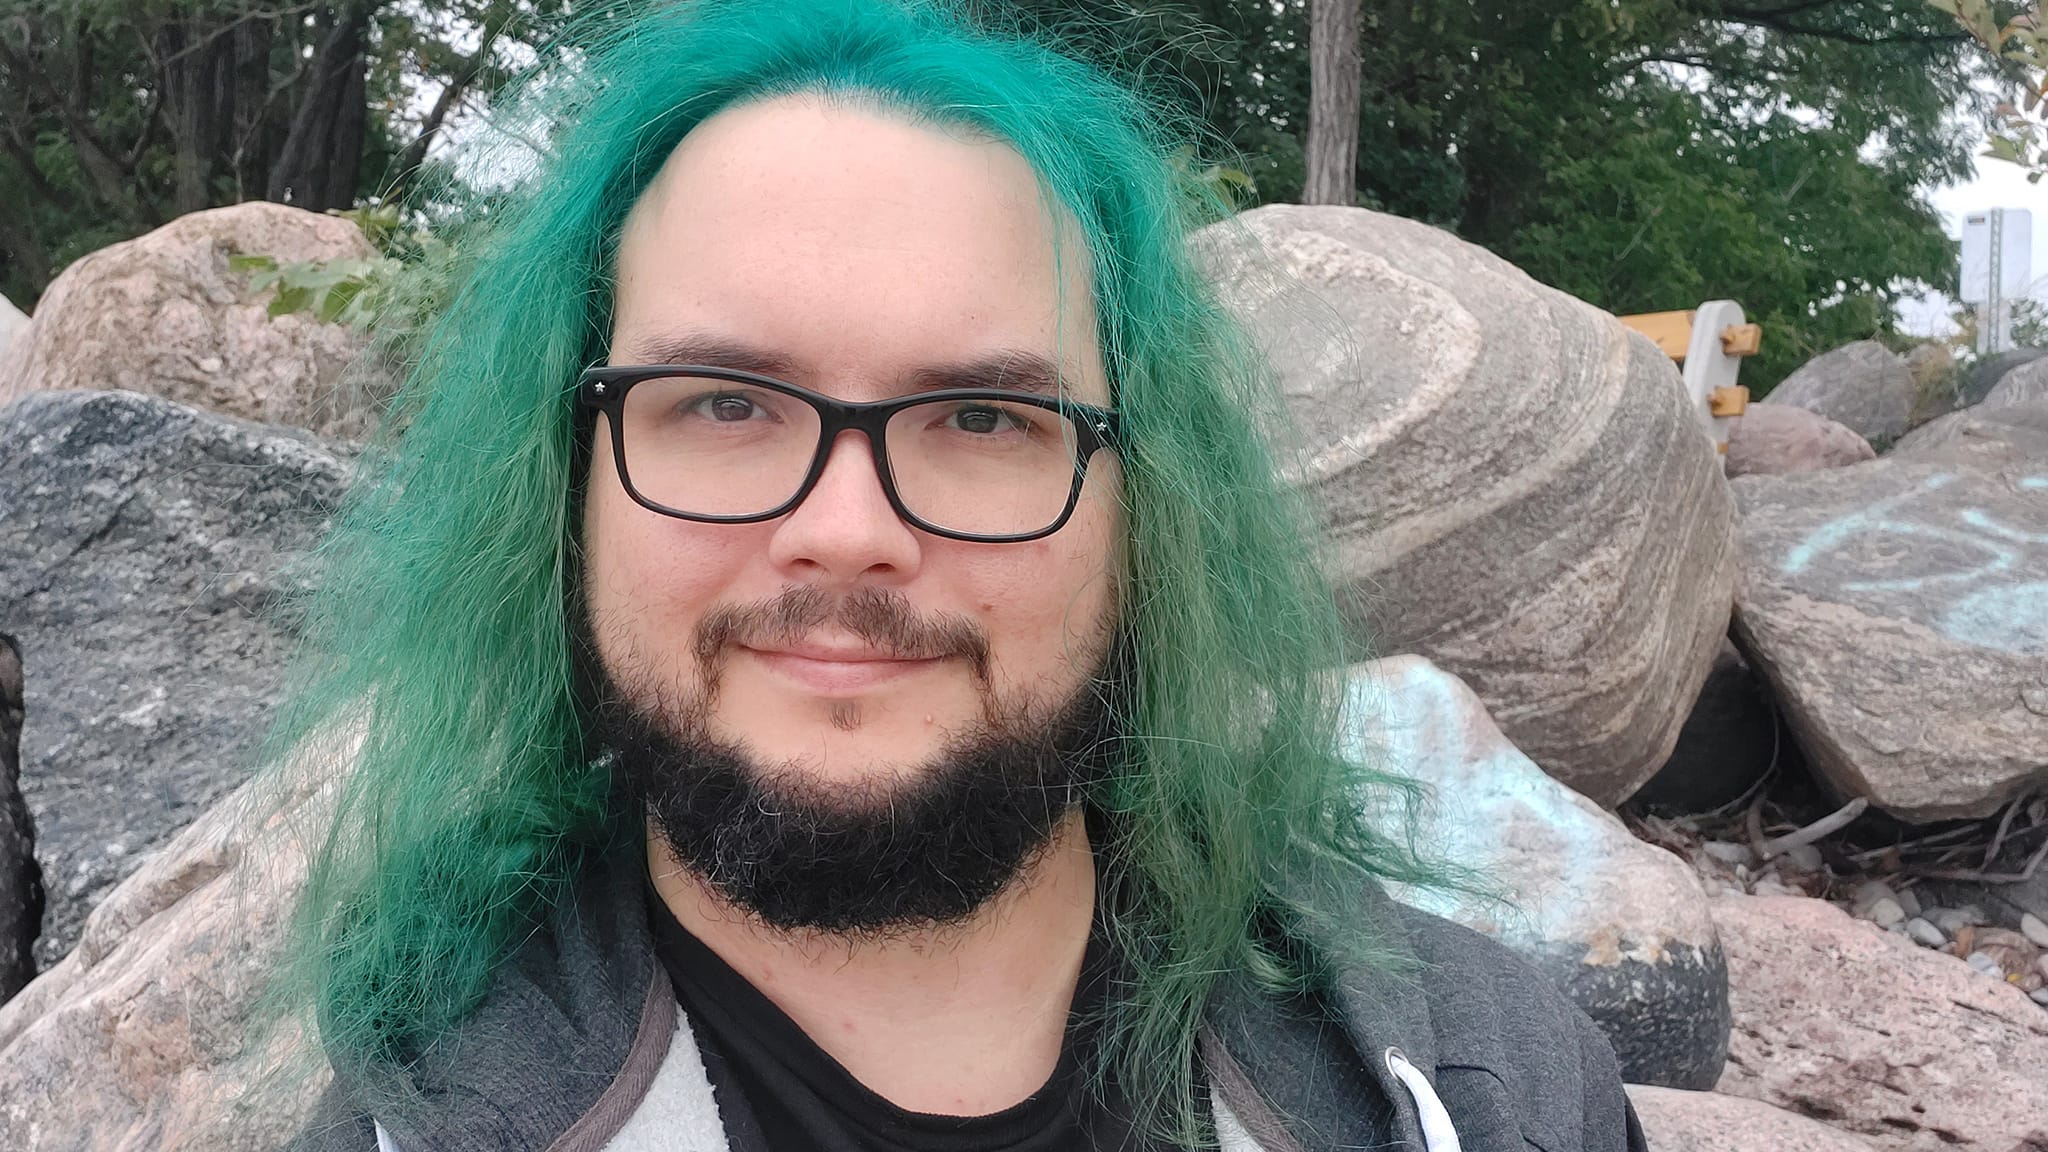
x=885, y=702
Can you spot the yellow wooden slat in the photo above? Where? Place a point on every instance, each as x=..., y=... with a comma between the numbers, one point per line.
x=1741, y=339
x=1670, y=331
x=1730, y=401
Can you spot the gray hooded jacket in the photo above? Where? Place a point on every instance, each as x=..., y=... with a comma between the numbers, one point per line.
x=578, y=1046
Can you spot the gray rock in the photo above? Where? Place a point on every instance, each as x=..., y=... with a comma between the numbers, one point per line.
x=1984, y=964
x=1864, y=386
x=1909, y=901
x=1954, y=920
x=1924, y=934
x=2039, y=996
x=1983, y=377
x=1774, y=439
x=21, y=879
x=2022, y=425
x=2026, y=384
x=1516, y=486
x=1727, y=744
x=1806, y=859
x=1622, y=926
x=1899, y=610
x=2034, y=929
x=142, y=546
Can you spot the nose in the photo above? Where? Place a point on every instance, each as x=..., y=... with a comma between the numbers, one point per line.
x=846, y=532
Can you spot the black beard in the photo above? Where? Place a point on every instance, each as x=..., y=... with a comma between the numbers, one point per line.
x=927, y=847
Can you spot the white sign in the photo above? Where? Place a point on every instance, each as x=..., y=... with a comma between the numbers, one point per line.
x=1999, y=241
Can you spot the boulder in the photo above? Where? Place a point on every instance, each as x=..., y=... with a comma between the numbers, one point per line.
x=1772, y=439
x=1516, y=486
x=1838, y=1019
x=12, y=323
x=1863, y=385
x=142, y=547
x=21, y=880
x=1728, y=743
x=1622, y=926
x=144, y=1036
x=2025, y=425
x=1899, y=610
x=2026, y=384
x=1678, y=1121
x=1982, y=377
x=166, y=315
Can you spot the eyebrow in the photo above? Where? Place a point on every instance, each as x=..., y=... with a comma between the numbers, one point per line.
x=1013, y=370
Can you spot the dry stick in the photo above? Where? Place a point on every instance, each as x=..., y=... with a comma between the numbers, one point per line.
x=1982, y=877
x=1832, y=822
x=2004, y=823
x=1922, y=844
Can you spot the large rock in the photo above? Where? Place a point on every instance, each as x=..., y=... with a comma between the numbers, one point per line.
x=1983, y=377
x=1516, y=486
x=1728, y=743
x=1773, y=439
x=2022, y=425
x=142, y=545
x=1678, y=1121
x=1910, y=1049
x=21, y=880
x=2027, y=384
x=166, y=315
x=1622, y=926
x=1864, y=386
x=1900, y=610
x=144, y=1036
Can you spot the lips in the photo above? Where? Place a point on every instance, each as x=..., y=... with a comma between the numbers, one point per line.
x=834, y=669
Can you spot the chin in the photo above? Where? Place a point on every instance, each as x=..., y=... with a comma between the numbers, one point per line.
x=844, y=738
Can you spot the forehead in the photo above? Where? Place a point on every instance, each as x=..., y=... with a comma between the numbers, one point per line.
x=856, y=246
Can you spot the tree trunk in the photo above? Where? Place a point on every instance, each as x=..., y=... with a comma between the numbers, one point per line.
x=1332, y=152
x=322, y=154
x=199, y=98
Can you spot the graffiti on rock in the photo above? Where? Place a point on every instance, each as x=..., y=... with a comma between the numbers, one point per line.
x=1973, y=575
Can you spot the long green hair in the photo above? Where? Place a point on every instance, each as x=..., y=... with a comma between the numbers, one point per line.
x=440, y=633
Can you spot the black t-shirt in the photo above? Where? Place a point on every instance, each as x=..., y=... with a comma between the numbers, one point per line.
x=778, y=1091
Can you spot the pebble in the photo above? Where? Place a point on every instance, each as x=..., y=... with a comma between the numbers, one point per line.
x=1949, y=920
x=1909, y=901
x=1801, y=858
x=2034, y=930
x=1924, y=934
x=1984, y=964
x=2040, y=996
x=1727, y=852
x=1875, y=901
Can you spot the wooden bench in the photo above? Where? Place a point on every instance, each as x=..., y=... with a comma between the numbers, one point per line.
x=1709, y=342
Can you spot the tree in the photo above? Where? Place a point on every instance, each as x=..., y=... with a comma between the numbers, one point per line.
x=1332, y=152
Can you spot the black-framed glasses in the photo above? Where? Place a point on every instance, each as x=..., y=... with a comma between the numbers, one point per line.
x=727, y=447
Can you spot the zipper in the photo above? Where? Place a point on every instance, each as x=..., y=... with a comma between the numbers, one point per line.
x=1437, y=1133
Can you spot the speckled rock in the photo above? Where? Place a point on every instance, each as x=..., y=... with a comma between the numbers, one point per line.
x=164, y=314
x=1623, y=927
x=1863, y=385
x=1516, y=486
x=1899, y=610
x=21, y=878
x=143, y=546
x=12, y=323
x=1772, y=439
x=142, y=1037
x=1838, y=1019
x=1679, y=1121
x=2026, y=384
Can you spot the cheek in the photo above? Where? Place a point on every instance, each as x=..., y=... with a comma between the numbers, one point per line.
x=1051, y=604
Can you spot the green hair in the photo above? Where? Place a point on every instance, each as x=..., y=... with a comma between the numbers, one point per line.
x=440, y=632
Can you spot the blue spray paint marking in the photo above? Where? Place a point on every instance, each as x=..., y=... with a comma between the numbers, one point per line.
x=2000, y=617
x=2013, y=618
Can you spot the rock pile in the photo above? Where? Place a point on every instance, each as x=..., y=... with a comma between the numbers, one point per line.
x=1461, y=422
x=1863, y=386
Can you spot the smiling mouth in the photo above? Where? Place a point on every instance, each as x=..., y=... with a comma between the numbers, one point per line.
x=838, y=671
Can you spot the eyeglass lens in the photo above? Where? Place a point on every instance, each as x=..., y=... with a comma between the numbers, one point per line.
x=712, y=447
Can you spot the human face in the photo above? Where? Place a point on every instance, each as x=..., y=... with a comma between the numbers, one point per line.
x=855, y=253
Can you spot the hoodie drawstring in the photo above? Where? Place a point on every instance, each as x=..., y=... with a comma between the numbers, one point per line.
x=1437, y=1133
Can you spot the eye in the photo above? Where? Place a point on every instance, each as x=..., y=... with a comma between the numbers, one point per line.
x=726, y=407
x=984, y=420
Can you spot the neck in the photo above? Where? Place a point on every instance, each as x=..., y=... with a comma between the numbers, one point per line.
x=959, y=1020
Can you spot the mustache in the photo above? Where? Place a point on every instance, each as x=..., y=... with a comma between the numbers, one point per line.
x=882, y=617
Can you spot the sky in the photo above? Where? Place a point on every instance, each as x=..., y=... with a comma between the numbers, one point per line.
x=1997, y=185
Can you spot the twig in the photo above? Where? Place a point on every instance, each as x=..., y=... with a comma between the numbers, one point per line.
x=1832, y=822
x=1922, y=843
x=2004, y=823
x=1753, y=823
x=1978, y=875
